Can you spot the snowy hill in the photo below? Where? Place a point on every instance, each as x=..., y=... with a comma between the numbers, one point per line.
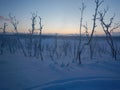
x=59, y=69
x=25, y=73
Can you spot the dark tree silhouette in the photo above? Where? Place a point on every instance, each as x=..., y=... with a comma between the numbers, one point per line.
x=15, y=23
x=2, y=38
x=34, y=16
x=107, y=30
x=98, y=3
x=79, y=51
x=4, y=28
x=40, y=38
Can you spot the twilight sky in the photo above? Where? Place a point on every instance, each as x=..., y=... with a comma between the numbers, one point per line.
x=58, y=16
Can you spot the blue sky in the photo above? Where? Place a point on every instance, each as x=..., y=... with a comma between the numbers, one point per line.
x=58, y=16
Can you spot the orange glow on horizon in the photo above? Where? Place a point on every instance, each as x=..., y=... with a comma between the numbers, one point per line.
x=64, y=31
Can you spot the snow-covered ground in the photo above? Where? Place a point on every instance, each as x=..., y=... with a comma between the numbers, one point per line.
x=26, y=73
x=59, y=70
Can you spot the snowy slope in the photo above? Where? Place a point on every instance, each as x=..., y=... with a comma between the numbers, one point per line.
x=24, y=73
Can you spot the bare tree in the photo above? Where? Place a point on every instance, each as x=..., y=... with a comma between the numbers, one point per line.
x=40, y=38
x=98, y=3
x=86, y=30
x=80, y=49
x=107, y=29
x=34, y=16
x=4, y=28
x=81, y=20
x=2, y=44
x=15, y=23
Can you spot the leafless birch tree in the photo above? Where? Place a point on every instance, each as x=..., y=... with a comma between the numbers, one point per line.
x=40, y=38
x=15, y=23
x=79, y=51
x=107, y=30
